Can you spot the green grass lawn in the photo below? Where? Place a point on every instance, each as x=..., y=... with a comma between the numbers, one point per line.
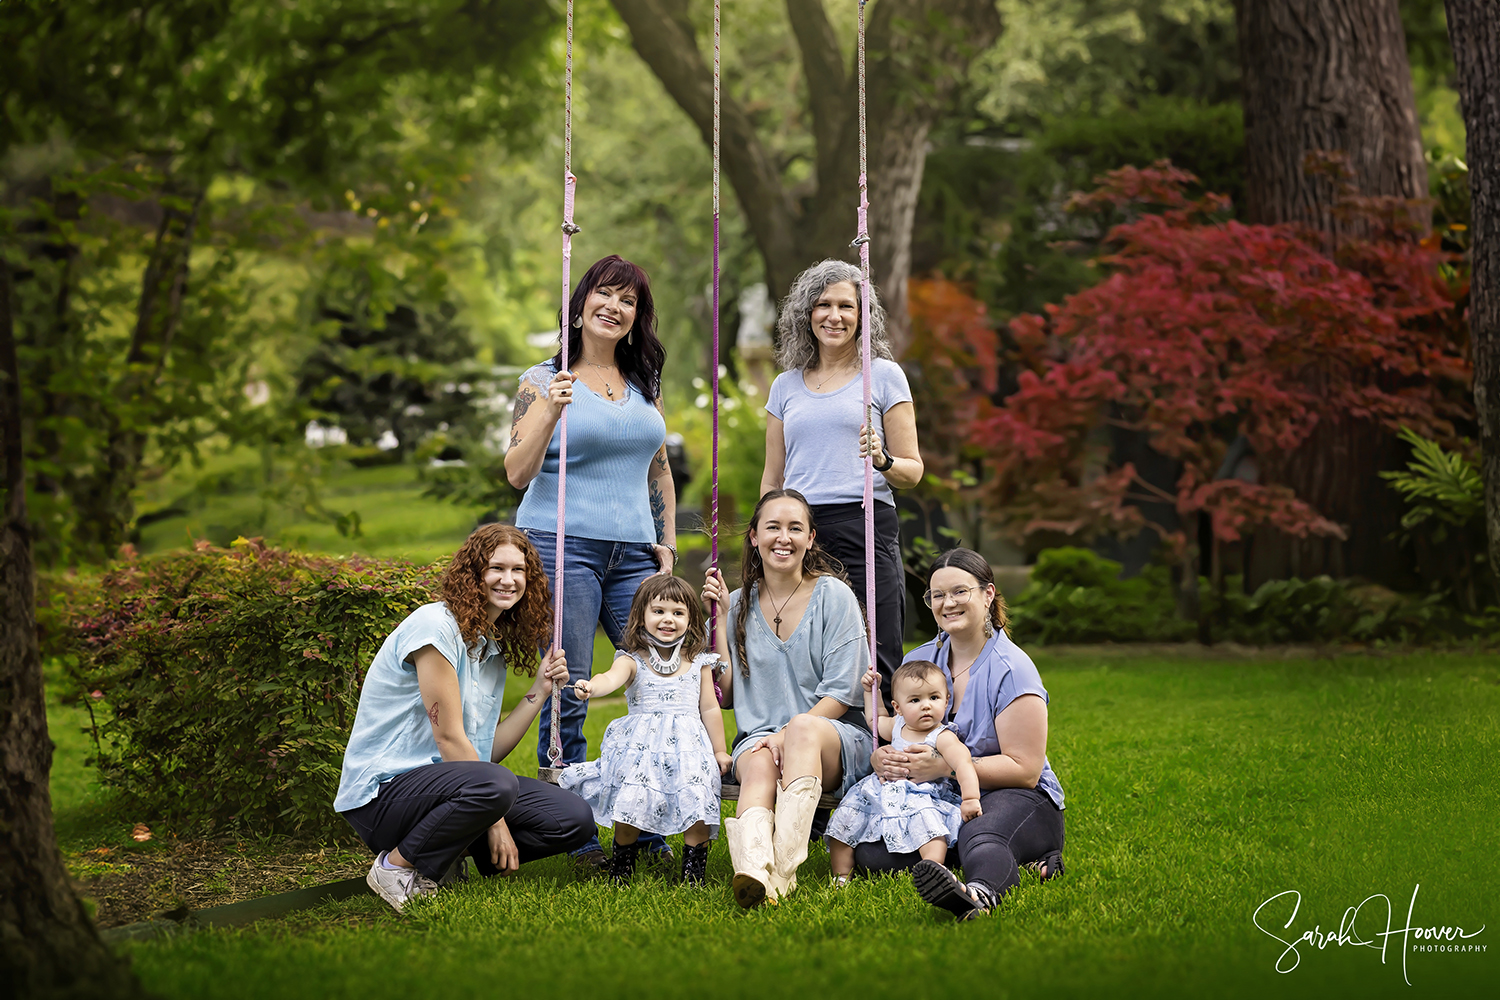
x=1196, y=790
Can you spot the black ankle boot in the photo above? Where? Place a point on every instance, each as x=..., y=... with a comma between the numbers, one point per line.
x=622, y=863
x=694, y=863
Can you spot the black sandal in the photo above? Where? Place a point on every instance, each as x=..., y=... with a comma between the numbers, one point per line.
x=622, y=862
x=940, y=887
x=695, y=864
x=1053, y=865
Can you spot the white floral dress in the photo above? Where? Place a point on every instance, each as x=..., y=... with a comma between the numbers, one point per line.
x=905, y=814
x=656, y=769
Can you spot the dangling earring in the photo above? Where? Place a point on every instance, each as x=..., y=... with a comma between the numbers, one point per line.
x=989, y=626
x=630, y=337
x=578, y=321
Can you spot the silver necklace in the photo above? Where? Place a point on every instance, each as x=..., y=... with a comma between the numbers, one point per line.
x=829, y=375
x=601, y=369
x=664, y=667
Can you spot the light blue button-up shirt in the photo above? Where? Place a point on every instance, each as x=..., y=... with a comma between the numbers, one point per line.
x=391, y=732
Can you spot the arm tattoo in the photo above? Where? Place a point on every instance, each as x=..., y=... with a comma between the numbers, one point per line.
x=658, y=510
x=524, y=399
x=661, y=459
x=530, y=698
x=432, y=716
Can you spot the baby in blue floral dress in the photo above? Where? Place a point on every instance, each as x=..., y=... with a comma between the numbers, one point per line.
x=659, y=767
x=920, y=816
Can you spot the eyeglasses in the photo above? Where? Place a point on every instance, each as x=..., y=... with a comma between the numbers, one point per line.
x=959, y=595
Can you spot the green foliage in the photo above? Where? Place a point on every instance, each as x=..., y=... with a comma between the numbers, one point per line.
x=742, y=449
x=1440, y=485
x=1076, y=595
x=231, y=678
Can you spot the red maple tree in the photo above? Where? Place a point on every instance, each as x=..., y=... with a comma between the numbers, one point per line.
x=1206, y=329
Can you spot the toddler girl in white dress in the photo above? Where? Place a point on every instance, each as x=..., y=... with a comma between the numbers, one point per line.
x=920, y=816
x=659, y=766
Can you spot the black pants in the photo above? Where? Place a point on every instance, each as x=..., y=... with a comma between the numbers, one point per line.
x=841, y=533
x=437, y=813
x=1019, y=825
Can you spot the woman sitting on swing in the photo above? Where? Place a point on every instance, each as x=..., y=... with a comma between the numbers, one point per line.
x=796, y=650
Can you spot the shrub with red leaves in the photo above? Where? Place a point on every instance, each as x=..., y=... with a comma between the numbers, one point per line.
x=1206, y=329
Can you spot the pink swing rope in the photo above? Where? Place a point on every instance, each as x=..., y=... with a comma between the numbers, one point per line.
x=862, y=240
x=570, y=184
x=713, y=516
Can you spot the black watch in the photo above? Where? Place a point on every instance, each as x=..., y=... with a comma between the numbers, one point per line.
x=890, y=460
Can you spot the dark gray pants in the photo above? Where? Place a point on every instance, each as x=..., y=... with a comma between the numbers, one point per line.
x=438, y=813
x=841, y=533
x=1019, y=826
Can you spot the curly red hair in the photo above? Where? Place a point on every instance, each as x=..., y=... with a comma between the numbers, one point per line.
x=521, y=630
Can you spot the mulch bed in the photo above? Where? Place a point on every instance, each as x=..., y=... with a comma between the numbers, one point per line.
x=130, y=884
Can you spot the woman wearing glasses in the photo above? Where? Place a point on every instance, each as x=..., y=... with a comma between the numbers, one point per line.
x=999, y=710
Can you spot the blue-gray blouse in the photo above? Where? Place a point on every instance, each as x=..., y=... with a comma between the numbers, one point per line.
x=1000, y=675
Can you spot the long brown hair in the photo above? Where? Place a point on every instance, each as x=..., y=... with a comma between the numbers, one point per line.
x=815, y=563
x=665, y=588
x=978, y=567
x=521, y=629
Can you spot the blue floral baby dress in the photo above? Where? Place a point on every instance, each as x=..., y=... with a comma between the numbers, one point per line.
x=905, y=814
x=656, y=769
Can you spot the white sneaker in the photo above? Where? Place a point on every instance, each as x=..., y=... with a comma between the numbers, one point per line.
x=397, y=885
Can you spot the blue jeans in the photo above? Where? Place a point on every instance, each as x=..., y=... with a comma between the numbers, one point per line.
x=600, y=579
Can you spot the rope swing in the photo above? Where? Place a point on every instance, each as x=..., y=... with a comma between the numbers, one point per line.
x=713, y=509
x=570, y=185
x=862, y=240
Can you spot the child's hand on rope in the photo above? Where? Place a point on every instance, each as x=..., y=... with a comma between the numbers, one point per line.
x=970, y=809
x=583, y=690
x=869, y=680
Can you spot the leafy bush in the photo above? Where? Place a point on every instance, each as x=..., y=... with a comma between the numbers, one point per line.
x=1076, y=595
x=231, y=677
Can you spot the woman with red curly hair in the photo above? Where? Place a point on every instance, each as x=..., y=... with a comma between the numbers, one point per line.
x=422, y=783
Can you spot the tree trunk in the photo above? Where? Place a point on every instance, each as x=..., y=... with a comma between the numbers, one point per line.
x=104, y=500
x=48, y=945
x=1474, y=28
x=917, y=52
x=1325, y=76
x=1329, y=76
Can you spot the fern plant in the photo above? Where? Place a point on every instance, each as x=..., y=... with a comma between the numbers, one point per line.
x=1445, y=494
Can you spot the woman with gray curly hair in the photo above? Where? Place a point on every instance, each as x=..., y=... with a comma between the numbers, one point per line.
x=817, y=441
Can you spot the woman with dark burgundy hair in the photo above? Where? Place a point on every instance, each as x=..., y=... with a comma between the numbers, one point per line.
x=421, y=781
x=621, y=507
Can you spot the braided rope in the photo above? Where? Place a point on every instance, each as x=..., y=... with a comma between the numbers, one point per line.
x=713, y=611
x=862, y=240
x=570, y=185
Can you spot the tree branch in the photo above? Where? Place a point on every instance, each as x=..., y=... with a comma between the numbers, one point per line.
x=662, y=36
x=828, y=89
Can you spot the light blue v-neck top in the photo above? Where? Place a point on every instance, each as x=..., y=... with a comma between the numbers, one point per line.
x=610, y=448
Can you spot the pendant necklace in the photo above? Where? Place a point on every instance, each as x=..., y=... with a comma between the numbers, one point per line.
x=772, y=599
x=825, y=378
x=601, y=369
x=665, y=667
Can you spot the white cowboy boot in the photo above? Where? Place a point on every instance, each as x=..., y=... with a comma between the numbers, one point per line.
x=795, y=806
x=750, y=837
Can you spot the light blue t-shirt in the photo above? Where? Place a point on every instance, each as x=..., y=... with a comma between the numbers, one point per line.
x=391, y=732
x=1001, y=674
x=610, y=448
x=822, y=432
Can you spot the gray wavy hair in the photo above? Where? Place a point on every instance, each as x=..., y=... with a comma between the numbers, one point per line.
x=796, y=345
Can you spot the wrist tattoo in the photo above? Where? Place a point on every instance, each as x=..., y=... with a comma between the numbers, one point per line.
x=530, y=698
